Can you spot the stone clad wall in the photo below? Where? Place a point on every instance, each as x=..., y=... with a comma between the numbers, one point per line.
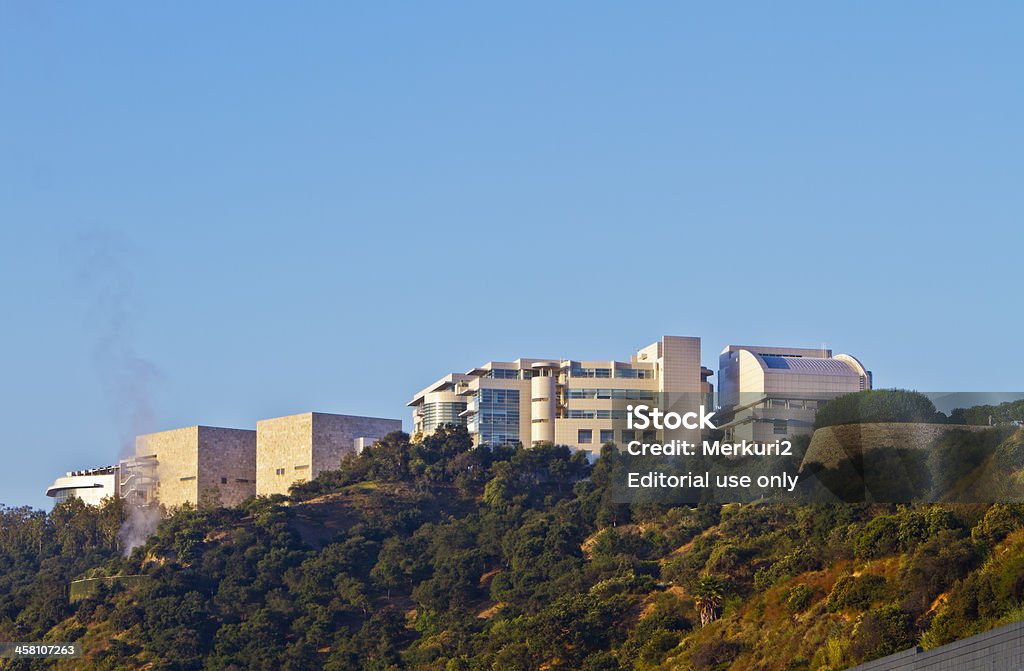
x=283, y=443
x=304, y=445
x=227, y=464
x=195, y=459
x=197, y=463
x=334, y=436
x=177, y=453
x=832, y=444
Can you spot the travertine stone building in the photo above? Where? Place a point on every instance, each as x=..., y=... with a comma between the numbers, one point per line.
x=201, y=463
x=581, y=404
x=297, y=448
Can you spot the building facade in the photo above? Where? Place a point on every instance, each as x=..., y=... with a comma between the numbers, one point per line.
x=90, y=486
x=439, y=404
x=226, y=466
x=296, y=448
x=582, y=404
x=768, y=393
x=199, y=463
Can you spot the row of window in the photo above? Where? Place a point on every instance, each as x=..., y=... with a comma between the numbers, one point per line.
x=574, y=413
x=792, y=404
x=635, y=373
x=625, y=373
x=586, y=436
x=508, y=374
x=628, y=394
x=498, y=416
x=485, y=396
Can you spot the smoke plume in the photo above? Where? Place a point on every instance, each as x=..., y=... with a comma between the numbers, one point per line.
x=127, y=378
x=140, y=524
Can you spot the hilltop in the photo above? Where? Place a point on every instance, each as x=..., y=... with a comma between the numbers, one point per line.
x=433, y=555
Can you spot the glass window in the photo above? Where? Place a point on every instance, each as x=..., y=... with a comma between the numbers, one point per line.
x=635, y=373
x=626, y=394
x=587, y=413
x=585, y=436
x=607, y=436
x=438, y=414
x=497, y=417
x=780, y=427
x=628, y=435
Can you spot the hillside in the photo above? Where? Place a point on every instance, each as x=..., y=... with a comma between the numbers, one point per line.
x=435, y=556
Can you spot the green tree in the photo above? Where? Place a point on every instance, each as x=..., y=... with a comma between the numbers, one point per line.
x=708, y=594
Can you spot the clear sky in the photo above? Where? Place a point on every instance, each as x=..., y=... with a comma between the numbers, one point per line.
x=219, y=214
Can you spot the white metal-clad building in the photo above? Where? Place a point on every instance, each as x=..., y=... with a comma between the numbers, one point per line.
x=767, y=393
x=91, y=486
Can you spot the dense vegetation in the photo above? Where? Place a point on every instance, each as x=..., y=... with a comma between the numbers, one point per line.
x=435, y=556
x=878, y=405
x=1004, y=413
x=40, y=554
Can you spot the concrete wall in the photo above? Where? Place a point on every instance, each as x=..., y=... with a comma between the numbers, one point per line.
x=1001, y=649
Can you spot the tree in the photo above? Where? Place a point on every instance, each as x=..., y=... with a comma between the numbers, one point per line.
x=708, y=595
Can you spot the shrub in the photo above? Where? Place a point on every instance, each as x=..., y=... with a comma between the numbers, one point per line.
x=880, y=537
x=881, y=405
x=999, y=522
x=799, y=598
x=716, y=654
x=856, y=593
x=881, y=632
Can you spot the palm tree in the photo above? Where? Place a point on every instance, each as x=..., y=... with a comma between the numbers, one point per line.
x=707, y=597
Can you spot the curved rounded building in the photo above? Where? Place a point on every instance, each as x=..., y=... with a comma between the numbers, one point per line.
x=91, y=486
x=767, y=393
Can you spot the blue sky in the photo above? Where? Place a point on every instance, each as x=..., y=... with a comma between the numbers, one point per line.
x=218, y=214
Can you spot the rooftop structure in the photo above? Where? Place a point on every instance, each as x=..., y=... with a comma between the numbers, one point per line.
x=90, y=486
x=770, y=392
x=581, y=404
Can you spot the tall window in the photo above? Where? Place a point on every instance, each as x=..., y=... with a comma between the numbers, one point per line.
x=439, y=414
x=497, y=416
